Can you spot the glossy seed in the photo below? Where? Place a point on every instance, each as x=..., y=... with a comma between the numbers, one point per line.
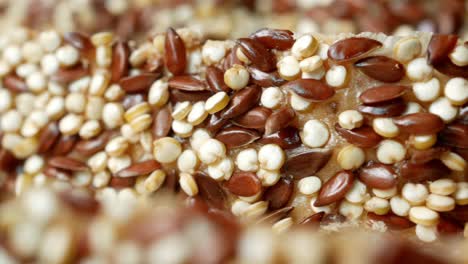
x=67, y=163
x=244, y=184
x=215, y=123
x=419, y=123
x=440, y=47
x=162, y=123
x=428, y=171
x=15, y=84
x=311, y=89
x=382, y=93
x=261, y=57
x=215, y=79
x=138, y=83
x=255, y=118
x=175, y=53
x=386, y=109
x=276, y=215
x=81, y=201
x=448, y=226
x=455, y=135
x=286, y=138
x=119, y=66
x=274, y=38
x=48, y=136
x=265, y=79
x=448, y=68
x=242, y=101
x=64, y=145
x=70, y=74
x=235, y=137
x=364, y=137
x=138, y=169
x=91, y=146
x=78, y=40
x=335, y=188
x=392, y=221
x=314, y=219
x=352, y=48
x=8, y=161
x=210, y=191
x=381, y=68
x=231, y=59
x=459, y=214
x=186, y=83
x=119, y=182
x=423, y=156
x=177, y=95
x=279, y=194
x=302, y=163
x=378, y=175
x=279, y=119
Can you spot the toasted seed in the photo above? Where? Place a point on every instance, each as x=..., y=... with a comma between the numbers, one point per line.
x=352, y=48
x=315, y=133
x=187, y=184
x=392, y=221
x=235, y=137
x=211, y=191
x=244, y=184
x=120, y=63
x=261, y=58
x=440, y=203
x=236, y=77
x=420, y=123
x=311, y=89
x=138, y=83
x=453, y=161
x=279, y=119
x=286, y=138
x=428, y=171
x=274, y=38
x=335, y=188
x=241, y=102
x=423, y=156
x=67, y=163
x=350, y=157
x=279, y=194
x=364, y=137
x=440, y=47
x=255, y=118
x=423, y=216
x=386, y=109
x=305, y=163
x=175, y=53
x=381, y=68
x=215, y=79
x=382, y=93
x=407, y=49
x=265, y=79
x=378, y=175
x=137, y=169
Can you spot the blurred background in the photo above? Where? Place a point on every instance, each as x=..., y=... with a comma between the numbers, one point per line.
x=234, y=18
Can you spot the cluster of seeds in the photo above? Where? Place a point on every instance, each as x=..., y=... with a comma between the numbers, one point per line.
x=72, y=227
x=363, y=128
